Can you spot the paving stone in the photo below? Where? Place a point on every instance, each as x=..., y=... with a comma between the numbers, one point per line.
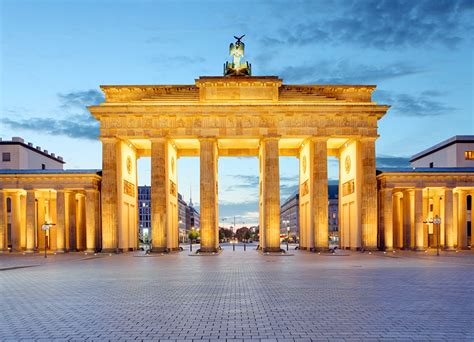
x=238, y=296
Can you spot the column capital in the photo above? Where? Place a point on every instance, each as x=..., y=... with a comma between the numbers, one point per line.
x=368, y=139
x=210, y=138
x=108, y=139
x=318, y=139
x=158, y=139
x=270, y=138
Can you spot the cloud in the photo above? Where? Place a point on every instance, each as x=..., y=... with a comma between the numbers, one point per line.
x=76, y=121
x=81, y=99
x=77, y=126
x=382, y=24
x=345, y=72
x=392, y=161
x=424, y=104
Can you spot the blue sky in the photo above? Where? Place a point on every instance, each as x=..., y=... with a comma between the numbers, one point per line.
x=55, y=54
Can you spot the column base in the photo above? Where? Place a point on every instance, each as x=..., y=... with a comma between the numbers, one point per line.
x=159, y=250
x=449, y=249
x=273, y=250
x=30, y=251
x=89, y=251
x=111, y=250
x=208, y=250
x=319, y=249
x=419, y=249
x=59, y=251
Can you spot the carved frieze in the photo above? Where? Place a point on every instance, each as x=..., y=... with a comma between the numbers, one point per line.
x=128, y=188
x=348, y=187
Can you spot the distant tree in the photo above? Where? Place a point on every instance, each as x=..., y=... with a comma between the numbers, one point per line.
x=241, y=233
x=193, y=234
x=225, y=233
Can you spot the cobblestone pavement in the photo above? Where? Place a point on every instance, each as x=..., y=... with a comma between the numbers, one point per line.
x=238, y=296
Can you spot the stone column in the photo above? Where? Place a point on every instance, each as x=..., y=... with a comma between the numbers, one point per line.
x=3, y=222
x=448, y=221
x=270, y=174
x=319, y=177
x=208, y=196
x=40, y=215
x=109, y=195
x=387, y=212
x=408, y=236
x=81, y=223
x=455, y=218
x=60, y=221
x=30, y=221
x=16, y=221
x=71, y=243
x=462, y=220
x=159, y=195
x=368, y=193
x=397, y=220
x=91, y=228
x=419, y=234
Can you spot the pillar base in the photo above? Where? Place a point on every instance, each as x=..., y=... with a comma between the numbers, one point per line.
x=319, y=249
x=89, y=251
x=30, y=251
x=273, y=250
x=111, y=250
x=449, y=249
x=159, y=250
x=419, y=249
x=59, y=251
x=208, y=250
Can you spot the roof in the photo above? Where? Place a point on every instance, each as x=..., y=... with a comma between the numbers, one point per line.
x=50, y=172
x=457, y=139
x=426, y=170
x=13, y=142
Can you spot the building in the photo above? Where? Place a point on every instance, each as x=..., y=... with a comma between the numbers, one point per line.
x=290, y=217
x=333, y=212
x=186, y=220
x=18, y=155
x=440, y=185
x=231, y=115
x=411, y=199
x=144, y=212
x=289, y=214
x=457, y=151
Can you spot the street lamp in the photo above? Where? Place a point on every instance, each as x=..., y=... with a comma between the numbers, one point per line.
x=191, y=239
x=179, y=230
x=437, y=222
x=287, y=236
x=45, y=227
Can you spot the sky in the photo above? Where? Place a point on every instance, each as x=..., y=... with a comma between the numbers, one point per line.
x=55, y=54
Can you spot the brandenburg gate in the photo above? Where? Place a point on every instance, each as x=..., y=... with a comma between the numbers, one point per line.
x=239, y=115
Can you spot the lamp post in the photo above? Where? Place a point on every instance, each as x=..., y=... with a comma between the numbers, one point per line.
x=191, y=239
x=179, y=230
x=437, y=222
x=45, y=227
x=287, y=236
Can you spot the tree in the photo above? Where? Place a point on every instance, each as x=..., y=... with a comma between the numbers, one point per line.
x=193, y=234
x=225, y=233
x=241, y=233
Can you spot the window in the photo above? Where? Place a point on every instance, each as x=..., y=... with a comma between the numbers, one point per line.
x=431, y=165
x=43, y=167
x=6, y=157
x=469, y=155
x=9, y=205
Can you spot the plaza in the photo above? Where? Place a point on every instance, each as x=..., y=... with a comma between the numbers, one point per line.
x=238, y=296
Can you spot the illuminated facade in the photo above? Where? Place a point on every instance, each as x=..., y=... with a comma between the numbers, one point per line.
x=67, y=199
x=240, y=116
x=410, y=199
